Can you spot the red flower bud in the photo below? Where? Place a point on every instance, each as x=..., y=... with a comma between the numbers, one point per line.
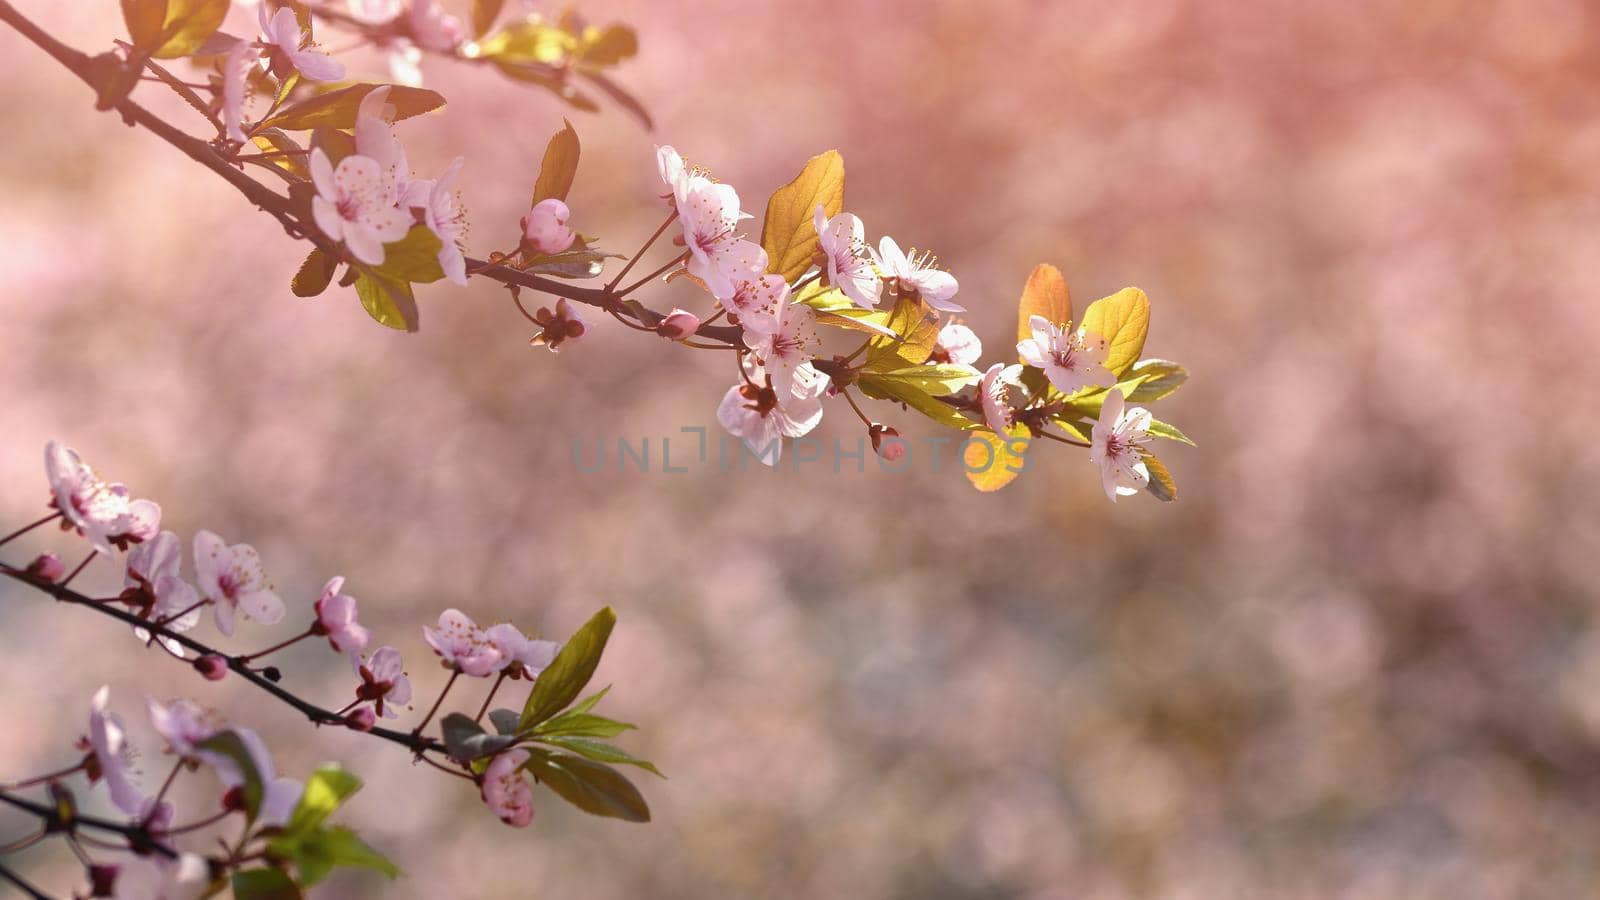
x=678, y=324
x=361, y=719
x=47, y=567
x=886, y=442
x=212, y=666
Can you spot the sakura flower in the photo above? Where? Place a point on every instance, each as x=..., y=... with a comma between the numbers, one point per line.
x=678, y=325
x=281, y=34
x=997, y=411
x=233, y=89
x=384, y=681
x=442, y=213
x=674, y=174
x=845, y=260
x=355, y=204
x=545, y=226
x=462, y=645
x=376, y=140
x=153, y=577
x=184, y=724
x=788, y=347
x=112, y=757
x=336, y=618
x=405, y=62
x=375, y=12
x=749, y=293
x=524, y=656
x=156, y=877
x=957, y=345
x=709, y=213
x=101, y=512
x=916, y=275
x=433, y=28
x=232, y=581
x=759, y=415
x=1072, y=360
x=1114, y=446
x=560, y=327
x=279, y=795
x=505, y=791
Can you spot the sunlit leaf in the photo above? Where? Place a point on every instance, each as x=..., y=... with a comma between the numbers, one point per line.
x=314, y=274
x=531, y=41
x=1164, y=430
x=325, y=849
x=413, y=258
x=561, y=682
x=1161, y=484
x=606, y=46
x=144, y=19
x=570, y=264
x=1123, y=319
x=337, y=109
x=264, y=884
x=560, y=165
x=788, y=233
x=916, y=399
x=387, y=301
x=590, y=786
x=187, y=26
x=581, y=724
x=327, y=788
x=936, y=380
x=1046, y=295
x=917, y=327
x=600, y=751
x=1161, y=378
x=288, y=154
x=991, y=461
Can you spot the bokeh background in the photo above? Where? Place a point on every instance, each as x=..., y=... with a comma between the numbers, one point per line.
x=1359, y=658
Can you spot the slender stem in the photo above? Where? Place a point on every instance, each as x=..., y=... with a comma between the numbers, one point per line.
x=29, y=527
x=196, y=826
x=162, y=794
x=278, y=646
x=23, y=886
x=23, y=843
x=861, y=415
x=48, y=814
x=1059, y=438
x=164, y=621
x=81, y=566
x=485, y=707
x=186, y=92
x=677, y=261
x=41, y=779
x=858, y=351
x=625, y=269
x=425, y=719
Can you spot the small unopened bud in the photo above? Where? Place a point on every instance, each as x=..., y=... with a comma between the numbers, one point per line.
x=272, y=674
x=212, y=666
x=544, y=228
x=47, y=567
x=886, y=442
x=362, y=718
x=233, y=798
x=679, y=324
x=102, y=880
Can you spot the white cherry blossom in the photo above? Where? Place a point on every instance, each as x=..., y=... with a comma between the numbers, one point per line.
x=916, y=274
x=1114, y=446
x=355, y=204
x=232, y=580
x=1072, y=360
x=846, y=261
x=281, y=33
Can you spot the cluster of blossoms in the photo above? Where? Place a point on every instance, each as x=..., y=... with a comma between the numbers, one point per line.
x=405, y=29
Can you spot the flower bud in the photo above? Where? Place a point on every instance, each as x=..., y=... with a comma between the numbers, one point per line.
x=102, y=880
x=233, y=798
x=361, y=718
x=678, y=324
x=886, y=442
x=544, y=228
x=47, y=567
x=212, y=666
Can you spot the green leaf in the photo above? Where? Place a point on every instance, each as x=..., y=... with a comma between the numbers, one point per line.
x=484, y=12
x=590, y=786
x=561, y=682
x=1161, y=378
x=559, y=166
x=834, y=308
x=992, y=462
x=264, y=884
x=327, y=788
x=505, y=721
x=337, y=109
x=187, y=25
x=1123, y=319
x=228, y=744
x=1046, y=295
x=530, y=41
x=600, y=751
x=323, y=849
x=580, y=724
x=1161, y=485
x=917, y=328
x=386, y=300
x=466, y=740
x=788, y=233
x=413, y=258
x=939, y=380
x=1163, y=430
x=314, y=275
x=917, y=399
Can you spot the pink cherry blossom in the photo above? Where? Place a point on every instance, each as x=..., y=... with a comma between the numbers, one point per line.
x=957, y=345
x=433, y=28
x=375, y=12
x=916, y=274
x=100, y=511
x=232, y=581
x=279, y=795
x=47, y=567
x=887, y=443
x=709, y=213
x=113, y=758
x=560, y=327
x=757, y=414
x=788, y=347
x=505, y=791
x=384, y=681
x=336, y=618
x=1072, y=360
x=1114, y=446
x=405, y=61
x=155, y=877
x=678, y=325
x=997, y=411
x=184, y=724
x=524, y=656
x=444, y=216
x=545, y=226
x=281, y=33
x=674, y=174
x=355, y=204
x=463, y=645
x=749, y=293
x=376, y=140
x=154, y=571
x=841, y=240
x=234, y=69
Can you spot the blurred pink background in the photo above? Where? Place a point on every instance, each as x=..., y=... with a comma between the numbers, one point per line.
x=1359, y=658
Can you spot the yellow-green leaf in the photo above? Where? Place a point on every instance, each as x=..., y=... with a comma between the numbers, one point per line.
x=1123, y=319
x=1161, y=485
x=917, y=399
x=144, y=19
x=387, y=301
x=1046, y=295
x=560, y=165
x=1162, y=429
x=834, y=308
x=935, y=380
x=187, y=25
x=314, y=274
x=414, y=257
x=917, y=328
x=1161, y=377
x=788, y=234
x=291, y=157
x=531, y=41
x=337, y=109
x=991, y=461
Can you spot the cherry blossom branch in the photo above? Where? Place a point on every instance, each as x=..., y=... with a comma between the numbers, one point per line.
x=138, y=836
x=22, y=885
x=415, y=742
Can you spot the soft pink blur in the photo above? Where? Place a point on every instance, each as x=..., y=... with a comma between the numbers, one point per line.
x=1357, y=659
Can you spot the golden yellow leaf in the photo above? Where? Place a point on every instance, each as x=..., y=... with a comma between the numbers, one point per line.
x=1161, y=485
x=787, y=233
x=991, y=461
x=187, y=25
x=560, y=165
x=1046, y=295
x=1123, y=319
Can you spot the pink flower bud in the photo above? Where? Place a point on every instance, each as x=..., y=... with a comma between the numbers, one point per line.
x=678, y=324
x=886, y=442
x=545, y=229
x=212, y=666
x=47, y=567
x=361, y=719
